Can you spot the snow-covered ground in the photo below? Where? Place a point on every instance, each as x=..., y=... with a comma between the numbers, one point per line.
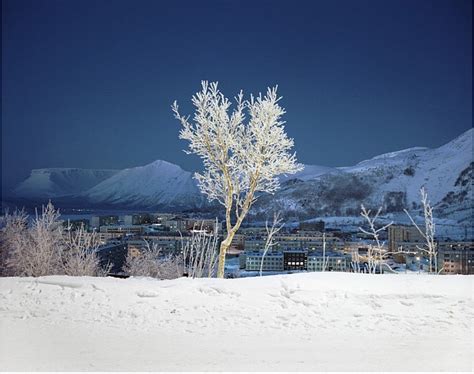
x=313, y=321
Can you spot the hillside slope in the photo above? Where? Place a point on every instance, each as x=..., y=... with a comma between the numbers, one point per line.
x=391, y=180
x=59, y=182
x=158, y=184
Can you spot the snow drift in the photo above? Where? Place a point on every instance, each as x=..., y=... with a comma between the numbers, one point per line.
x=311, y=322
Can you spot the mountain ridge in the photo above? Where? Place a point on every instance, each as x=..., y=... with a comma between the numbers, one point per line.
x=391, y=180
x=60, y=182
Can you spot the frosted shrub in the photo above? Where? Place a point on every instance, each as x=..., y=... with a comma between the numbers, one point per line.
x=200, y=253
x=36, y=250
x=79, y=255
x=44, y=248
x=152, y=263
x=14, y=237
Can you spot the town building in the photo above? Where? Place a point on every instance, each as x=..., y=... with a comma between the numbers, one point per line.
x=122, y=229
x=210, y=225
x=254, y=243
x=253, y=231
x=237, y=245
x=307, y=240
x=97, y=221
x=171, y=224
x=272, y=261
x=456, y=257
x=331, y=261
x=403, y=236
x=105, y=237
x=137, y=219
x=167, y=242
x=295, y=259
x=76, y=224
x=312, y=226
x=113, y=254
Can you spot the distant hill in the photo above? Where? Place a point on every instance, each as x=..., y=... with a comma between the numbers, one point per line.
x=159, y=184
x=60, y=182
x=392, y=180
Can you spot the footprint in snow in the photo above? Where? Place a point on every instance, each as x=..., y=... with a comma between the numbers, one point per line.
x=147, y=294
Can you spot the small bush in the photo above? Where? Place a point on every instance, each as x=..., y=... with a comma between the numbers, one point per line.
x=44, y=248
x=152, y=263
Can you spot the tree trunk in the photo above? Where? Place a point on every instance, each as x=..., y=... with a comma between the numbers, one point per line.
x=222, y=252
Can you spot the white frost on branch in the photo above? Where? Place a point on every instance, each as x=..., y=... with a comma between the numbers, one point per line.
x=325, y=258
x=152, y=262
x=45, y=248
x=200, y=252
x=377, y=253
x=272, y=230
x=80, y=256
x=241, y=157
x=429, y=232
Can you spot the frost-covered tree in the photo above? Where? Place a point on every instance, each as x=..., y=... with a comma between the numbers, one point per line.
x=200, y=252
x=241, y=158
x=272, y=230
x=428, y=233
x=325, y=258
x=375, y=253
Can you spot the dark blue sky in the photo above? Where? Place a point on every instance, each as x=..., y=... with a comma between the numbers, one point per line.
x=90, y=83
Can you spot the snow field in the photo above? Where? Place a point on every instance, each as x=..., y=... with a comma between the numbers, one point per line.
x=313, y=321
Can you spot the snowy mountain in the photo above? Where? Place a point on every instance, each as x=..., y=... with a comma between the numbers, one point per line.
x=59, y=182
x=392, y=180
x=309, y=172
x=165, y=185
x=159, y=184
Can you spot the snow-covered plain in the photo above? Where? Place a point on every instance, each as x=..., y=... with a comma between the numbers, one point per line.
x=312, y=321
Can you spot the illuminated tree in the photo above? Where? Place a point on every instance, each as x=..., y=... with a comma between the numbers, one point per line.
x=240, y=159
x=428, y=233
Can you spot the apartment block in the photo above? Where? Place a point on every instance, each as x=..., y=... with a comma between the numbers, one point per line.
x=273, y=261
x=403, y=236
x=456, y=257
x=334, y=261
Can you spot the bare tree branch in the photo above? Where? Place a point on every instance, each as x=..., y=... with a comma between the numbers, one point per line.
x=272, y=230
x=240, y=159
